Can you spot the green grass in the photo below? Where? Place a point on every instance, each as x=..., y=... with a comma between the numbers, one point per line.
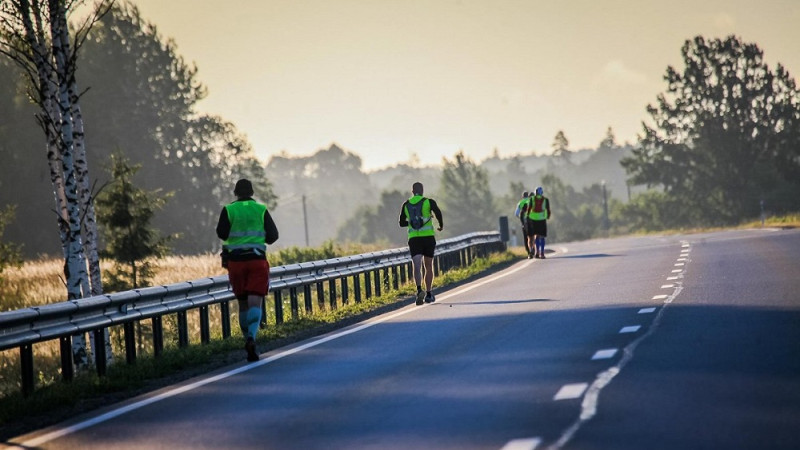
x=57, y=401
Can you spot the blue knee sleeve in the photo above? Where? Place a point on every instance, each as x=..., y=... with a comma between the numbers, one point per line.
x=253, y=321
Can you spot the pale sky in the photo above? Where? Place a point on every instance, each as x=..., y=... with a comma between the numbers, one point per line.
x=388, y=79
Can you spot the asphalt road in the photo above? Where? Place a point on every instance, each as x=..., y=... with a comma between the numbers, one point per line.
x=673, y=342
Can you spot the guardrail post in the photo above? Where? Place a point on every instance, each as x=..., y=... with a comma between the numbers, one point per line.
x=130, y=342
x=183, y=330
x=307, y=298
x=26, y=363
x=67, y=371
x=278, y=307
x=224, y=312
x=367, y=286
x=158, y=333
x=293, y=303
x=376, y=274
x=345, y=293
x=332, y=292
x=386, y=279
x=205, y=332
x=395, y=281
x=402, y=270
x=436, y=269
x=320, y=295
x=100, y=352
x=357, y=287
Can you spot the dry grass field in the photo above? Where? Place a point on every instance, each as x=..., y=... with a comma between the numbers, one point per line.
x=41, y=282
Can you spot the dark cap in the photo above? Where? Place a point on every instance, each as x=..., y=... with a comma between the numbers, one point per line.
x=243, y=188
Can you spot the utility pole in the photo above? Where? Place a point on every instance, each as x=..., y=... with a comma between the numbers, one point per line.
x=305, y=218
x=605, y=208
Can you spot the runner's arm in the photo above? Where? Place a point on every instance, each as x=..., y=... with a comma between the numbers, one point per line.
x=403, y=220
x=270, y=230
x=437, y=213
x=223, y=225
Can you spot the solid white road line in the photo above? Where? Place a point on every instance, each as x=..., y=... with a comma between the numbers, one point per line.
x=570, y=391
x=59, y=432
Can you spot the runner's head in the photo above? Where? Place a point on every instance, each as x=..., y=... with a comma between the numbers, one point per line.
x=524, y=194
x=416, y=188
x=539, y=190
x=243, y=188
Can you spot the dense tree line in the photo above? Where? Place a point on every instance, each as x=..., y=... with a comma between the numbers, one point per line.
x=141, y=101
x=723, y=138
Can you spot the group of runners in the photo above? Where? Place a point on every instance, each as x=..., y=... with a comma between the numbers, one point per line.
x=246, y=228
x=533, y=211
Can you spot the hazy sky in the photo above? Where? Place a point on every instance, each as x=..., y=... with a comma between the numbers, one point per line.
x=388, y=79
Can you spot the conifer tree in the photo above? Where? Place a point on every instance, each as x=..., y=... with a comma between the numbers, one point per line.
x=125, y=212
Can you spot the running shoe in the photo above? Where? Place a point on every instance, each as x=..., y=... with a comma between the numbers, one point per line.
x=250, y=347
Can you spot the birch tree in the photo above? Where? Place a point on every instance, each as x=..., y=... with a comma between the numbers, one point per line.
x=36, y=36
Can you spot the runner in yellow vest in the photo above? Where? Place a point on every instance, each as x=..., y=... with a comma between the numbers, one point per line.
x=416, y=215
x=537, y=211
x=246, y=227
x=522, y=220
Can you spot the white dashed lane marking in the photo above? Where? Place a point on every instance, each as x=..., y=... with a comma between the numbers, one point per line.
x=522, y=444
x=630, y=329
x=570, y=391
x=604, y=354
x=647, y=310
x=660, y=297
x=667, y=286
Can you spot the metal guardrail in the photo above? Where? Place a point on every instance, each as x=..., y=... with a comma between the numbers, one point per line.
x=25, y=327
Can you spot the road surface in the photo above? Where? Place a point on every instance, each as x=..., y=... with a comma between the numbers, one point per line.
x=673, y=342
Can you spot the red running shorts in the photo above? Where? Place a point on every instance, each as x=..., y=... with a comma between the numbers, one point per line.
x=249, y=277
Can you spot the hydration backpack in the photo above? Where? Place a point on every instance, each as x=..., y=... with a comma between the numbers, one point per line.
x=415, y=219
x=538, y=204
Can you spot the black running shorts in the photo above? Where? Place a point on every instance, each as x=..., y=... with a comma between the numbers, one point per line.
x=537, y=227
x=424, y=245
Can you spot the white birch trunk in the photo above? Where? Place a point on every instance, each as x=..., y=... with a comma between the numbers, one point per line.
x=82, y=172
x=38, y=44
x=75, y=265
